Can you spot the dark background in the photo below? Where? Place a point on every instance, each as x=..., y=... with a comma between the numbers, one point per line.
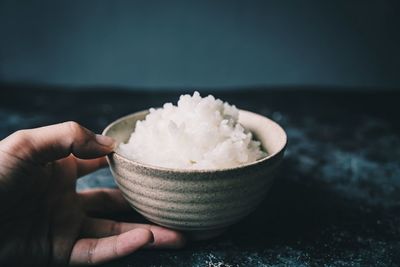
x=201, y=44
x=326, y=71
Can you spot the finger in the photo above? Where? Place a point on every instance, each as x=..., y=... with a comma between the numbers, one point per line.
x=57, y=141
x=103, y=201
x=163, y=238
x=95, y=251
x=86, y=166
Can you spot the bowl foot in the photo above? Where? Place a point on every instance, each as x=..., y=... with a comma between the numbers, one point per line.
x=198, y=235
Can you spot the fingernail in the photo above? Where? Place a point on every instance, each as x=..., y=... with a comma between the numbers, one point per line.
x=152, y=240
x=105, y=140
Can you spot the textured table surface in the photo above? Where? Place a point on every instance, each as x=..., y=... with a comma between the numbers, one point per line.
x=335, y=201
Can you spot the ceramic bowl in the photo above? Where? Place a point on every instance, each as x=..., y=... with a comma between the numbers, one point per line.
x=201, y=203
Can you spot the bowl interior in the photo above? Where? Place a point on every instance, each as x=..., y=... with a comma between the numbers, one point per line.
x=269, y=133
x=122, y=128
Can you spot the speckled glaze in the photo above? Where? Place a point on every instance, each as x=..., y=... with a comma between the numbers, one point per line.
x=200, y=202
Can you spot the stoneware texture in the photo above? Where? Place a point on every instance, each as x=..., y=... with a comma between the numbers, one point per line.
x=200, y=202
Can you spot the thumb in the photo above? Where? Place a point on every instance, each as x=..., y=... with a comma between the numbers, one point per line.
x=49, y=143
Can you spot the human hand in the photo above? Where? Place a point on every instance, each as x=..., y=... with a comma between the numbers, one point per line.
x=44, y=221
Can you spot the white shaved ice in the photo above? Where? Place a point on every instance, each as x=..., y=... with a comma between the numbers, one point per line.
x=198, y=133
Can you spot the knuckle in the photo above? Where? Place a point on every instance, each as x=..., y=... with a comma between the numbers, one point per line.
x=77, y=133
x=20, y=144
x=74, y=127
x=20, y=138
x=19, y=134
x=91, y=251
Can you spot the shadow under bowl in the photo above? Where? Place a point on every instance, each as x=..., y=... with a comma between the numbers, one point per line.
x=201, y=203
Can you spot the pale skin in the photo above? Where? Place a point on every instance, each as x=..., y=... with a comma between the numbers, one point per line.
x=44, y=221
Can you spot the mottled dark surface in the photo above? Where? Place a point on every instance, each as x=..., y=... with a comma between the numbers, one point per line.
x=335, y=202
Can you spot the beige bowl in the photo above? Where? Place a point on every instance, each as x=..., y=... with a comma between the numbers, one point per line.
x=200, y=202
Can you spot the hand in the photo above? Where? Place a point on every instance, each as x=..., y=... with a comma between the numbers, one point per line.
x=44, y=221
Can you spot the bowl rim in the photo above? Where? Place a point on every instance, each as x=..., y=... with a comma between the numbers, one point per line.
x=194, y=171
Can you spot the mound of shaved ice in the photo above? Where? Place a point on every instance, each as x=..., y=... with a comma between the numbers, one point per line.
x=198, y=133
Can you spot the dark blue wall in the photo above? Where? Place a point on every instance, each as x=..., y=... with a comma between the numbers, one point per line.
x=183, y=44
